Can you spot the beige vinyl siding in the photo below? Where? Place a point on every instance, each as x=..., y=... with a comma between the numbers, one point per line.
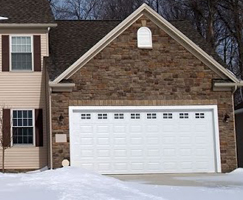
x=25, y=90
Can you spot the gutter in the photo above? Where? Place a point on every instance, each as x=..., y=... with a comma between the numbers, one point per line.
x=227, y=86
x=61, y=87
x=239, y=111
x=13, y=25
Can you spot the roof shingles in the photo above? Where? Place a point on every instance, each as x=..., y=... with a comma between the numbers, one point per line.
x=72, y=39
x=26, y=11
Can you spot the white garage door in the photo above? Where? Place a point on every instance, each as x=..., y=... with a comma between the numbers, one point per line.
x=128, y=140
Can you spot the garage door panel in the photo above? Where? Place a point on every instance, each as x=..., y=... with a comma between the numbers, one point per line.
x=118, y=129
x=143, y=141
x=120, y=140
x=154, y=153
x=153, y=140
x=103, y=140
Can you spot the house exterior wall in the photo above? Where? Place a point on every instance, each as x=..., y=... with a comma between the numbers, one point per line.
x=25, y=90
x=124, y=75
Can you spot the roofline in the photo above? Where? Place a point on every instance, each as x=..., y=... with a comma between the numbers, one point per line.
x=164, y=25
x=88, y=20
x=30, y=25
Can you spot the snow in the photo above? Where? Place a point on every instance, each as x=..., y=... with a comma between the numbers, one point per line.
x=78, y=184
x=231, y=179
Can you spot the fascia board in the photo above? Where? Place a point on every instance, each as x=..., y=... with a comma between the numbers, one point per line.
x=16, y=25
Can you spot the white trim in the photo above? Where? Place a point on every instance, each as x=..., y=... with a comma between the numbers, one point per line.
x=33, y=124
x=136, y=108
x=213, y=108
x=10, y=52
x=163, y=24
x=217, y=140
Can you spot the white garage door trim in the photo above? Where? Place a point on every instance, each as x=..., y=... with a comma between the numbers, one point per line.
x=212, y=108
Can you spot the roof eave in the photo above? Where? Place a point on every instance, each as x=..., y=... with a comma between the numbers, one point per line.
x=27, y=25
x=61, y=87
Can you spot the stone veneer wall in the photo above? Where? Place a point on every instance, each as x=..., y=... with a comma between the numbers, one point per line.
x=123, y=75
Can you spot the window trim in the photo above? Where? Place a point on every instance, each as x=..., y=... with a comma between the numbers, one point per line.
x=33, y=122
x=10, y=52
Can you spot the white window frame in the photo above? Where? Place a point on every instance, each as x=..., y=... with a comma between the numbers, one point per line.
x=32, y=53
x=33, y=123
x=140, y=43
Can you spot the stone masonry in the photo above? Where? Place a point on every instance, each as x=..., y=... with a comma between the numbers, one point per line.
x=123, y=75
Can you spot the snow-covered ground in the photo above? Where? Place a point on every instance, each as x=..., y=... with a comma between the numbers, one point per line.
x=77, y=184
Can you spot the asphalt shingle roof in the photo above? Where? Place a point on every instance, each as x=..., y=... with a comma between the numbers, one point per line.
x=26, y=11
x=72, y=39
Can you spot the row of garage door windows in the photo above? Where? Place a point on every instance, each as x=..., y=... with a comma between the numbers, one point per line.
x=149, y=116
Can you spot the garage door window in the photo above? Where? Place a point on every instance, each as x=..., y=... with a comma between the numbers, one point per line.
x=184, y=116
x=199, y=115
x=151, y=116
x=135, y=116
x=102, y=116
x=167, y=116
x=118, y=116
x=85, y=116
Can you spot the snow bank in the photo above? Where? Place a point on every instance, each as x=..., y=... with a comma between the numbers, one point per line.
x=238, y=171
x=68, y=184
x=78, y=184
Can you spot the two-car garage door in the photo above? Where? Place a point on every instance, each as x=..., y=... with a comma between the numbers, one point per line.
x=132, y=140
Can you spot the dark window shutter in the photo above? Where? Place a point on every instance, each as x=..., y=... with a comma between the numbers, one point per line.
x=39, y=127
x=5, y=53
x=6, y=128
x=37, y=53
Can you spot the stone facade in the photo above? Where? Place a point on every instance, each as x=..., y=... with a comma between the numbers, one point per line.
x=123, y=75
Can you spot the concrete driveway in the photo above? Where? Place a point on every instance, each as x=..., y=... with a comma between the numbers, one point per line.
x=176, y=179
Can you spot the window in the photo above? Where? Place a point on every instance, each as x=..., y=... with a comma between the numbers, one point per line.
x=184, y=116
x=85, y=116
x=23, y=127
x=21, y=53
x=102, y=116
x=144, y=37
x=151, y=116
x=199, y=115
x=118, y=116
x=167, y=116
x=135, y=116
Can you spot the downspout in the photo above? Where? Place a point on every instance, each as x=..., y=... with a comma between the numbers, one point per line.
x=50, y=114
x=236, y=87
x=50, y=131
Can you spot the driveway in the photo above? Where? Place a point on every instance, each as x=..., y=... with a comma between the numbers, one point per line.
x=202, y=179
